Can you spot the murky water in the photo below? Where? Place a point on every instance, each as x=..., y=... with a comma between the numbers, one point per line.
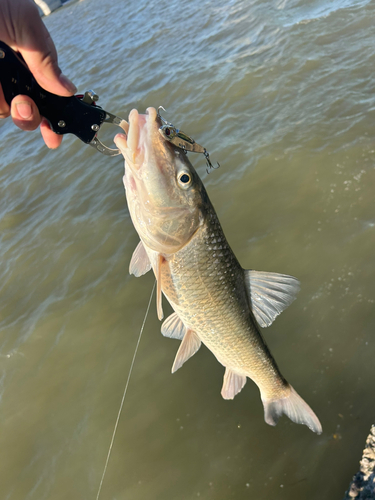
x=281, y=94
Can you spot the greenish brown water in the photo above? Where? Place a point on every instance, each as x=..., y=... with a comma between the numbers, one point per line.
x=281, y=94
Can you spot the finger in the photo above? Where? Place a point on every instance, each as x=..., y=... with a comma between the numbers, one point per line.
x=37, y=48
x=24, y=113
x=4, y=107
x=51, y=139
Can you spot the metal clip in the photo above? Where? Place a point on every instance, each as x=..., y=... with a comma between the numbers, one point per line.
x=183, y=141
x=97, y=143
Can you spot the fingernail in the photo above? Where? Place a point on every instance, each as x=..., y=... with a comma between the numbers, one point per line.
x=24, y=110
x=64, y=80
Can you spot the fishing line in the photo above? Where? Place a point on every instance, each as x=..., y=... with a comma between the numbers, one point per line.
x=125, y=391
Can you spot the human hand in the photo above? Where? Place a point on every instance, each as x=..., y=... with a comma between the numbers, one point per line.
x=22, y=29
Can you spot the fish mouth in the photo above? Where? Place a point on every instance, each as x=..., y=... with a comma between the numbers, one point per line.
x=142, y=147
x=141, y=131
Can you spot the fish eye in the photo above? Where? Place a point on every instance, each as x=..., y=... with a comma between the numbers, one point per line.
x=184, y=180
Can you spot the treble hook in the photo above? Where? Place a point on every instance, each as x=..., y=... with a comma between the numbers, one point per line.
x=209, y=164
x=161, y=118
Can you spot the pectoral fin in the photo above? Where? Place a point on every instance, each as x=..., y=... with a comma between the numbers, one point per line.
x=173, y=327
x=270, y=294
x=159, y=306
x=140, y=263
x=188, y=347
x=232, y=383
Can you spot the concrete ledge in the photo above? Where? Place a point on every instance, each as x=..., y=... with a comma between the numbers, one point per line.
x=47, y=6
x=363, y=485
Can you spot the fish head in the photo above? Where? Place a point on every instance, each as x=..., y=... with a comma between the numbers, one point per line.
x=165, y=195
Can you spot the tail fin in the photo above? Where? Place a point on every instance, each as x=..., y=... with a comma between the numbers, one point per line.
x=295, y=408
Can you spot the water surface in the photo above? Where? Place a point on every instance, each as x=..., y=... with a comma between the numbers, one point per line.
x=281, y=94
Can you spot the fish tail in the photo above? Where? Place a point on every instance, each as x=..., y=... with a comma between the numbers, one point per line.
x=295, y=408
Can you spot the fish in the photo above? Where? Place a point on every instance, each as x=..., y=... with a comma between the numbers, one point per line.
x=215, y=301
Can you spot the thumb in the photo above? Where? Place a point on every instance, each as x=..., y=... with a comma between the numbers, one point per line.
x=37, y=48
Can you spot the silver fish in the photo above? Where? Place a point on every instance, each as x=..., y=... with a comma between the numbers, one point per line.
x=215, y=300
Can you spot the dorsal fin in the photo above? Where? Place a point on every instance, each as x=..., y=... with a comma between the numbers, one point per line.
x=270, y=294
x=173, y=327
x=232, y=383
x=140, y=263
x=188, y=347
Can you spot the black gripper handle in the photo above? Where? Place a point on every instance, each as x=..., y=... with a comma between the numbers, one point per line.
x=66, y=115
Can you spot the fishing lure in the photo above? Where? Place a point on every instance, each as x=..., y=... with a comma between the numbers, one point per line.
x=183, y=141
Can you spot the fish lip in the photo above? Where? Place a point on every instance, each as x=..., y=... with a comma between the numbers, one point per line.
x=134, y=149
x=135, y=157
x=143, y=140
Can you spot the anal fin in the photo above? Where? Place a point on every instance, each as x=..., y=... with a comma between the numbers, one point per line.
x=188, y=347
x=232, y=383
